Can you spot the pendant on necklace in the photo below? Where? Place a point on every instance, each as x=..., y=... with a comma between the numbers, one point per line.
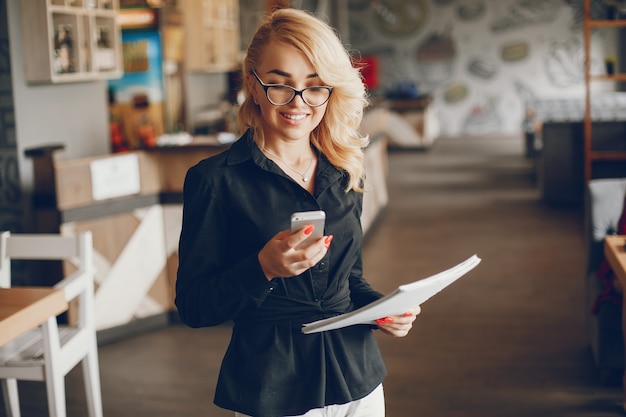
x=305, y=179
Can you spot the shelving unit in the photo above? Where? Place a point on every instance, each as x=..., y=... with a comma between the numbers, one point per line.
x=212, y=33
x=68, y=41
x=592, y=155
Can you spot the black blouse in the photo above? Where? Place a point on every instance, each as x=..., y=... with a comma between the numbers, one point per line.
x=233, y=204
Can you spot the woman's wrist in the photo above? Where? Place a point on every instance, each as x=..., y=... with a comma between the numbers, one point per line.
x=267, y=275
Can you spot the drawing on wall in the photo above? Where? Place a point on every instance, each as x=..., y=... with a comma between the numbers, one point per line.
x=492, y=44
x=471, y=10
x=436, y=56
x=483, y=118
x=455, y=93
x=514, y=51
x=482, y=67
x=524, y=92
x=399, y=18
x=564, y=62
x=525, y=13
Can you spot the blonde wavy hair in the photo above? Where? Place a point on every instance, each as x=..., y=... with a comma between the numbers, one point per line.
x=337, y=135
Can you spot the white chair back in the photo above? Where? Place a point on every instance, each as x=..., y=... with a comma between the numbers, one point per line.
x=51, y=351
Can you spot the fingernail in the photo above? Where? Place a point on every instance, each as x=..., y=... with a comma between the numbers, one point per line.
x=408, y=314
x=327, y=241
x=309, y=229
x=384, y=320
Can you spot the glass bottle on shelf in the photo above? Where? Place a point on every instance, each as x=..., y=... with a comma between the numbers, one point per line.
x=105, y=55
x=64, y=60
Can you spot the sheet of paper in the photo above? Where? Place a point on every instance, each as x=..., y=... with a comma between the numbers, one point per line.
x=398, y=302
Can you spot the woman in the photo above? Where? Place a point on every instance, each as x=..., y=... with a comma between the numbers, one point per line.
x=238, y=260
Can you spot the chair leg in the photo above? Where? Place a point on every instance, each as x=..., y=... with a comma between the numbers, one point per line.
x=91, y=374
x=55, y=390
x=55, y=379
x=11, y=397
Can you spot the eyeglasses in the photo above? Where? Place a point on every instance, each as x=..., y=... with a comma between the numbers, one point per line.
x=280, y=94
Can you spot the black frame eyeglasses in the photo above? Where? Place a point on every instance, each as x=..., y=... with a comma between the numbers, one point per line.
x=284, y=94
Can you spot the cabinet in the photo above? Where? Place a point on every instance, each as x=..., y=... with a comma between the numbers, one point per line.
x=609, y=157
x=211, y=35
x=70, y=40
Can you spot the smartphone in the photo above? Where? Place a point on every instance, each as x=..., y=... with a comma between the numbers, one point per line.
x=300, y=219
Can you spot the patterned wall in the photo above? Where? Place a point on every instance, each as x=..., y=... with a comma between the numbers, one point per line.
x=481, y=60
x=10, y=191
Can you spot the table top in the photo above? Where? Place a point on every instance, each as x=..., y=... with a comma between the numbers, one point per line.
x=615, y=253
x=24, y=308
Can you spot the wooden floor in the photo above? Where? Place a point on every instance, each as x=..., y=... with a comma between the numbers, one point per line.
x=507, y=340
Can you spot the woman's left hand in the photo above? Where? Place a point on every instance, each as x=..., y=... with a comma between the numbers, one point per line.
x=398, y=326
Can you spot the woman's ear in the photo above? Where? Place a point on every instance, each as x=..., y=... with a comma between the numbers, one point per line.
x=250, y=84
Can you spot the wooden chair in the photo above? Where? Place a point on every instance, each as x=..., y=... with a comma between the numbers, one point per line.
x=49, y=352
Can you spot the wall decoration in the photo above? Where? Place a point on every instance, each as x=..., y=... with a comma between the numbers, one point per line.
x=471, y=10
x=456, y=58
x=564, y=62
x=399, y=17
x=483, y=118
x=514, y=51
x=455, y=93
x=139, y=94
x=482, y=67
x=435, y=57
x=527, y=12
x=525, y=92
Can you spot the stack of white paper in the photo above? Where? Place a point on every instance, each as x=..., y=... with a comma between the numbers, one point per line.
x=398, y=302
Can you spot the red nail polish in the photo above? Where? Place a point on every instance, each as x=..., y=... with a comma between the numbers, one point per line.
x=380, y=322
x=309, y=229
x=408, y=314
x=327, y=241
x=388, y=320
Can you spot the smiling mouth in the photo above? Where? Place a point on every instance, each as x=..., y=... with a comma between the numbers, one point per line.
x=294, y=116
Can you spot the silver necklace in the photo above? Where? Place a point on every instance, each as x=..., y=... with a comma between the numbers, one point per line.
x=304, y=176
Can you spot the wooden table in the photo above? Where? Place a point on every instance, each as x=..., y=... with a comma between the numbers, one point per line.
x=24, y=308
x=615, y=254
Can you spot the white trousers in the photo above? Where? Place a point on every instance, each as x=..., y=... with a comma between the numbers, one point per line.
x=372, y=405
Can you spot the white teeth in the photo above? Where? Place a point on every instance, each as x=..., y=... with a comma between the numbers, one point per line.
x=295, y=116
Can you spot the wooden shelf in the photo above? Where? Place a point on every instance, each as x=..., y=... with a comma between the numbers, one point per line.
x=605, y=23
x=608, y=77
x=67, y=41
x=590, y=156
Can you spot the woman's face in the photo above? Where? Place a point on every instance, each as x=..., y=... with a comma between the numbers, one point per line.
x=283, y=64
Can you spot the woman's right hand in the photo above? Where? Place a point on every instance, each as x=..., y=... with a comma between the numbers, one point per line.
x=279, y=258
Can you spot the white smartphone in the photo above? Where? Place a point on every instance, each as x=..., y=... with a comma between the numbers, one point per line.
x=300, y=219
